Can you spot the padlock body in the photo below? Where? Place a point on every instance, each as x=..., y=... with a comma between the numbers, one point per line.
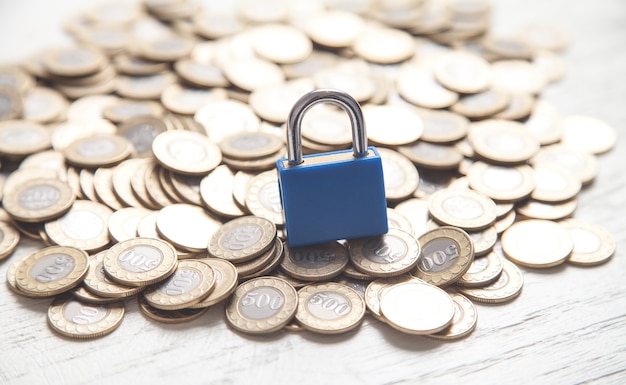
x=333, y=196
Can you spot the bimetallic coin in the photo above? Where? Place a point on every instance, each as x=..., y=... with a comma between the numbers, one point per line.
x=517, y=76
x=75, y=319
x=281, y=44
x=463, y=322
x=123, y=223
x=225, y=118
x=73, y=62
x=429, y=155
x=593, y=244
x=84, y=295
x=481, y=105
x=443, y=126
x=552, y=211
x=416, y=308
x=398, y=221
x=169, y=316
x=463, y=72
x=126, y=110
x=9, y=238
x=264, y=262
x=334, y=28
x=263, y=197
x=502, y=184
x=329, y=308
x=103, y=187
x=140, y=131
x=502, y=141
x=191, y=282
x=384, y=45
x=506, y=288
x=446, y=254
x=84, y=226
x=250, y=145
x=38, y=200
x=98, y=283
x=186, y=152
x=226, y=278
x=466, y=209
x=588, y=134
x=392, y=125
x=242, y=239
x=121, y=182
x=140, y=261
x=374, y=288
x=417, y=85
x=97, y=151
x=11, y=103
x=505, y=222
x=554, y=183
x=482, y=272
x=537, y=243
x=192, y=234
x=400, y=176
x=52, y=270
x=416, y=211
x=262, y=305
x=216, y=192
x=19, y=138
x=583, y=164
x=394, y=253
x=316, y=262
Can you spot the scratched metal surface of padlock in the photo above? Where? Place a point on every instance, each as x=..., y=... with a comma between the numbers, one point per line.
x=333, y=195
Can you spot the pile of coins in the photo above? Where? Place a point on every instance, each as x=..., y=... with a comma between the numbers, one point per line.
x=144, y=159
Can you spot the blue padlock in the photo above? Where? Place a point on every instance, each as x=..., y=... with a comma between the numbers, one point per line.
x=333, y=195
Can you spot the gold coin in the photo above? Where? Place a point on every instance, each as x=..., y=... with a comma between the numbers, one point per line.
x=38, y=200
x=169, y=316
x=216, y=191
x=103, y=187
x=374, y=288
x=383, y=45
x=52, y=270
x=262, y=305
x=443, y=126
x=392, y=125
x=192, y=234
x=74, y=319
x=481, y=105
x=398, y=221
x=263, y=197
x=416, y=308
x=416, y=211
x=418, y=86
x=517, y=76
x=281, y=44
x=463, y=72
x=186, y=152
x=394, y=253
x=250, y=145
x=73, y=62
x=225, y=282
x=583, y=164
x=502, y=141
x=506, y=288
x=593, y=244
x=588, y=134
x=191, y=282
x=97, y=151
x=315, y=263
x=84, y=226
x=551, y=211
x=482, y=272
x=537, y=243
x=334, y=28
x=446, y=254
x=430, y=155
x=83, y=295
x=400, y=176
x=502, y=184
x=9, y=238
x=225, y=118
x=125, y=110
x=242, y=239
x=464, y=320
x=96, y=281
x=466, y=209
x=19, y=138
x=123, y=223
x=329, y=308
x=554, y=183
x=140, y=261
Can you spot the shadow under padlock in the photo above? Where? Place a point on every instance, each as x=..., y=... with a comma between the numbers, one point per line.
x=333, y=195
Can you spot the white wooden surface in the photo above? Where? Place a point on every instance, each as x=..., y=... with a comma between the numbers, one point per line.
x=568, y=326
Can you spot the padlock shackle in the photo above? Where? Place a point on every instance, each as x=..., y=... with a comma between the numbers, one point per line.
x=308, y=100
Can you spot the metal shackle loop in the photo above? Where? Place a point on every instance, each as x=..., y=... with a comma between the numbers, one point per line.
x=339, y=98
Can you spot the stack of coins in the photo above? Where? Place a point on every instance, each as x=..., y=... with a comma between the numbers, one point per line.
x=144, y=160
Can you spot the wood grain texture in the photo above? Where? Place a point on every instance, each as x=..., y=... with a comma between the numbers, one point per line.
x=567, y=327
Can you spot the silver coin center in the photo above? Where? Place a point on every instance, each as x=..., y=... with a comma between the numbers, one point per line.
x=393, y=175
x=141, y=136
x=500, y=283
x=438, y=255
x=478, y=266
x=502, y=178
x=82, y=314
x=261, y=303
x=97, y=148
x=82, y=225
x=311, y=258
x=139, y=259
x=21, y=137
x=385, y=249
x=250, y=142
x=328, y=305
x=39, y=197
x=101, y=275
x=462, y=207
x=269, y=196
x=241, y=237
x=181, y=282
x=52, y=268
x=186, y=150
